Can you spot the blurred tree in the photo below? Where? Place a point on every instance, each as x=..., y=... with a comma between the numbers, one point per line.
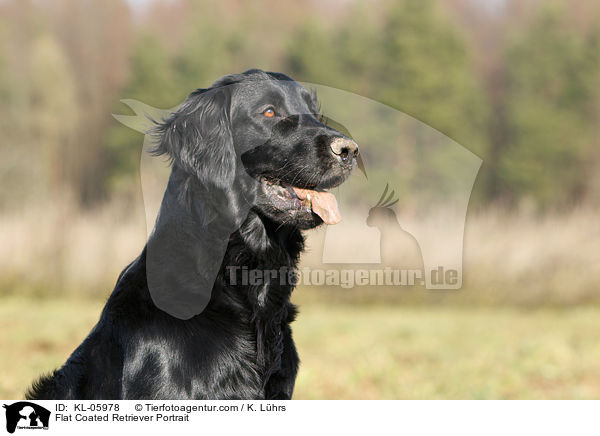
x=406, y=55
x=215, y=47
x=12, y=160
x=356, y=48
x=552, y=91
x=152, y=80
x=342, y=56
x=21, y=166
x=541, y=82
x=54, y=114
x=311, y=57
x=95, y=38
x=426, y=72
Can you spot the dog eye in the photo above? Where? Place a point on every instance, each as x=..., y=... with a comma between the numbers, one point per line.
x=269, y=113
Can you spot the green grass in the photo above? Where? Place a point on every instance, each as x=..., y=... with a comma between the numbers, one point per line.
x=376, y=352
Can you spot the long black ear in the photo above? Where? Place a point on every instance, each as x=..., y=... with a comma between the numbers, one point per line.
x=205, y=201
x=198, y=137
x=186, y=248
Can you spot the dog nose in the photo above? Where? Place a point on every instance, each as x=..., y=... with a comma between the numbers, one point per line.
x=346, y=149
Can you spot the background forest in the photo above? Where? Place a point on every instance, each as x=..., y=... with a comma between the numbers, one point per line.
x=517, y=82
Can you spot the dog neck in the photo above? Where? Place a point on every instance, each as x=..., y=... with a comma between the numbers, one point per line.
x=264, y=255
x=260, y=261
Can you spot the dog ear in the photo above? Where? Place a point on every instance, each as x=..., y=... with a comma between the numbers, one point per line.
x=185, y=250
x=197, y=137
x=206, y=200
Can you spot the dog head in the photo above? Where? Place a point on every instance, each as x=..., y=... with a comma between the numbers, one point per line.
x=251, y=142
x=266, y=126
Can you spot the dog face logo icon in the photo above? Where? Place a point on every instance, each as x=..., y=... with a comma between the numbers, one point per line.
x=26, y=415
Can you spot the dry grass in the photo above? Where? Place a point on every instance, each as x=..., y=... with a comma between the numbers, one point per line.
x=58, y=249
x=447, y=353
x=508, y=258
x=530, y=260
x=37, y=336
x=376, y=352
x=361, y=343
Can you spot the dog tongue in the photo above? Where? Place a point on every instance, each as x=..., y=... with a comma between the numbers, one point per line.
x=323, y=204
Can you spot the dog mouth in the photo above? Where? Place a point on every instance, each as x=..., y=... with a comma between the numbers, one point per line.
x=284, y=196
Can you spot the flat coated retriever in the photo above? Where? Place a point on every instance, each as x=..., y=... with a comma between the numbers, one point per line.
x=251, y=160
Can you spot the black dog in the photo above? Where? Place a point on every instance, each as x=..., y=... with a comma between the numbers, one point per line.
x=251, y=160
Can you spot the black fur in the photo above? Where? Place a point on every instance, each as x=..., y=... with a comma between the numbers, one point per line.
x=175, y=327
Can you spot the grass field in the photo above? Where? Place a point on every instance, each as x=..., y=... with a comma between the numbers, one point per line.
x=375, y=352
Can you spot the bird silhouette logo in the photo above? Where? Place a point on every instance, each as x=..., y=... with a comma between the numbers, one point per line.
x=397, y=246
